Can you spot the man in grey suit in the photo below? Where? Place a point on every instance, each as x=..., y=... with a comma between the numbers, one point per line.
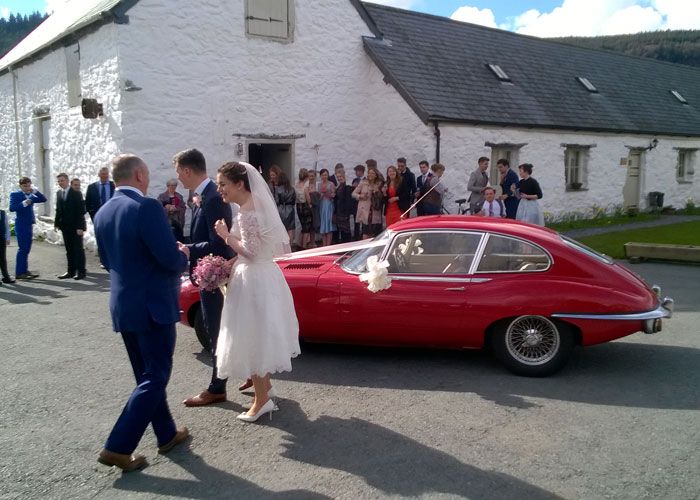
x=478, y=180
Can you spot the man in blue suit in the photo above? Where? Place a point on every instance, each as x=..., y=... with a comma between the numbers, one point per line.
x=144, y=261
x=22, y=203
x=191, y=169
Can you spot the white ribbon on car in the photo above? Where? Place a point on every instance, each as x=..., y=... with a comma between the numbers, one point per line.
x=377, y=275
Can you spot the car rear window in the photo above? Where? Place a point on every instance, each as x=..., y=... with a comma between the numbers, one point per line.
x=587, y=250
x=508, y=255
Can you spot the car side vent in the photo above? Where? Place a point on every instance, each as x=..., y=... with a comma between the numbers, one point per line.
x=305, y=265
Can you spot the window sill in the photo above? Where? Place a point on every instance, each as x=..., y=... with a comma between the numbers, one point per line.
x=572, y=190
x=683, y=181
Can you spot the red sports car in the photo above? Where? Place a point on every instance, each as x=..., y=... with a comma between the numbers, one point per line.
x=459, y=282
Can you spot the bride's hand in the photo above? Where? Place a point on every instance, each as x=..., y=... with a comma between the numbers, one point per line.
x=221, y=229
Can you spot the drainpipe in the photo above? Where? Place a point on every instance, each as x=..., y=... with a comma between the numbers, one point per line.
x=437, y=141
x=14, y=95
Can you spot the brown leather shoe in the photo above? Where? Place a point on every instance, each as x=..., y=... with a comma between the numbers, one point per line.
x=127, y=463
x=205, y=398
x=246, y=385
x=180, y=436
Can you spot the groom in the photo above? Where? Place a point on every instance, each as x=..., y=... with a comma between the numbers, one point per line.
x=191, y=169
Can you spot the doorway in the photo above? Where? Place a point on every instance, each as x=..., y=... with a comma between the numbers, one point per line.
x=631, y=189
x=263, y=155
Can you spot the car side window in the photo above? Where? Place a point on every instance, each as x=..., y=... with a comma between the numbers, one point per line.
x=433, y=253
x=504, y=254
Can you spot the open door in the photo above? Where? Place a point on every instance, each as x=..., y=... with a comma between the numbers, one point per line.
x=267, y=154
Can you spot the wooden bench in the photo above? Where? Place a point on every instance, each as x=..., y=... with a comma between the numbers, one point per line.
x=659, y=251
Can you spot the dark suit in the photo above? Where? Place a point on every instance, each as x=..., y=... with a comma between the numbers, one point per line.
x=24, y=221
x=70, y=217
x=93, y=197
x=205, y=241
x=422, y=189
x=511, y=202
x=138, y=248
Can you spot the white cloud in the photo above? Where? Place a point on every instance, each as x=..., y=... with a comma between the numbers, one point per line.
x=593, y=17
x=679, y=14
x=475, y=15
x=4, y=12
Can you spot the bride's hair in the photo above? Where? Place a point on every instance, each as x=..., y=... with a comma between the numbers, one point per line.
x=235, y=172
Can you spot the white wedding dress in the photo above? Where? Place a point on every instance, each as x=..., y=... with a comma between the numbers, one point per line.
x=259, y=329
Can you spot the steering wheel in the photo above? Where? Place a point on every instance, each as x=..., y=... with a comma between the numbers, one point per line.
x=400, y=258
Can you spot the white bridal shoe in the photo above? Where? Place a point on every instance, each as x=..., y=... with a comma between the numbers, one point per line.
x=268, y=407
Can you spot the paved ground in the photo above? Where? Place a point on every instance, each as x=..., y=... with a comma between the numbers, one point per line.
x=664, y=220
x=621, y=421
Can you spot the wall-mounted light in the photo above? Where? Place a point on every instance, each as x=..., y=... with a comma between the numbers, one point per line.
x=91, y=108
x=654, y=142
x=239, y=149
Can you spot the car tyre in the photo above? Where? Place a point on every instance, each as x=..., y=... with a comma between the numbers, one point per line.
x=533, y=346
x=201, y=330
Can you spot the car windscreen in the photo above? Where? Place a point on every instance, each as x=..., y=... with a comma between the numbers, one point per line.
x=357, y=261
x=587, y=250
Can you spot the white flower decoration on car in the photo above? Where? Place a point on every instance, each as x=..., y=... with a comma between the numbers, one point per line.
x=377, y=275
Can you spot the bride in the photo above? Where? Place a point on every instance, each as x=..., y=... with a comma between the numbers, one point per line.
x=259, y=329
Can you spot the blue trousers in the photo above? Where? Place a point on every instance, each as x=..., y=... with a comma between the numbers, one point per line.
x=24, y=246
x=212, y=303
x=151, y=356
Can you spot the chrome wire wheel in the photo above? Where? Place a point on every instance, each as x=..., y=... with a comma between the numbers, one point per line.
x=532, y=340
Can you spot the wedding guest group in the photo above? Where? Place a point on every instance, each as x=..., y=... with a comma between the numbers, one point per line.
x=70, y=220
x=144, y=262
x=22, y=204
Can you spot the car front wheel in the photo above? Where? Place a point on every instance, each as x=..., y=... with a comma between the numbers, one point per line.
x=533, y=346
x=201, y=330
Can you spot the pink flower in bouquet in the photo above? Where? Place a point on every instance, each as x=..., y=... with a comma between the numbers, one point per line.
x=212, y=272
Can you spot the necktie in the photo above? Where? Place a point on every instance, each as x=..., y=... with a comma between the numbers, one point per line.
x=491, y=209
x=103, y=195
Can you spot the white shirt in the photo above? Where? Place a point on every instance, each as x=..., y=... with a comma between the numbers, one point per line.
x=200, y=189
x=494, y=206
x=130, y=188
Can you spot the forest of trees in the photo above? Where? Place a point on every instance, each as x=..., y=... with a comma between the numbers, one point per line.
x=681, y=47
x=16, y=27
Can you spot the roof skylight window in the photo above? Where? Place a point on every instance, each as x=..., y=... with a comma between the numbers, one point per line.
x=678, y=96
x=500, y=74
x=587, y=84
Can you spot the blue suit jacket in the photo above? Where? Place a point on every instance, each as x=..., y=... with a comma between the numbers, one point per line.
x=25, y=215
x=138, y=248
x=205, y=241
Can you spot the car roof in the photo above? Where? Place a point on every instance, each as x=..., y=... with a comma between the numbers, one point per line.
x=474, y=223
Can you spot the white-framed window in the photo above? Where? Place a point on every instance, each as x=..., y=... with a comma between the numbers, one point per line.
x=685, y=168
x=502, y=152
x=576, y=168
x=73, y=74
x=272, y=19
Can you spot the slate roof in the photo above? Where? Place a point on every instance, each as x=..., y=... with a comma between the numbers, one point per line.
x=440, y=67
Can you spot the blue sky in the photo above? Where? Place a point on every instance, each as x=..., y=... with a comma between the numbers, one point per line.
x=532, y=17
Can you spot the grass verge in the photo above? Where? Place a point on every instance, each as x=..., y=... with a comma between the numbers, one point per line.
x=604, y=221
x=612, y=244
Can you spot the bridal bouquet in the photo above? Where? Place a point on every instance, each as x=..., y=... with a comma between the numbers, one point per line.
x=212, y=272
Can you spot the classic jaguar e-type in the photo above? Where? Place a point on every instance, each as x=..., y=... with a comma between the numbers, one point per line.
x=527, y=292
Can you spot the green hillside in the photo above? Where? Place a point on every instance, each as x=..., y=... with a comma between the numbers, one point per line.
x=681, y=47
x=16, y=27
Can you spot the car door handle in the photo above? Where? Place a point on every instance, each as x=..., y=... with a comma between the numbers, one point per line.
x=455, y=289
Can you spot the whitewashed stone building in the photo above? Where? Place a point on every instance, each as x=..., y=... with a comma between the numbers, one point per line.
x=306, y=83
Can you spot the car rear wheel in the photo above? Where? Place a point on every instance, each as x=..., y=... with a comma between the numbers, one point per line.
x=533, y=346
x=201, y=330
